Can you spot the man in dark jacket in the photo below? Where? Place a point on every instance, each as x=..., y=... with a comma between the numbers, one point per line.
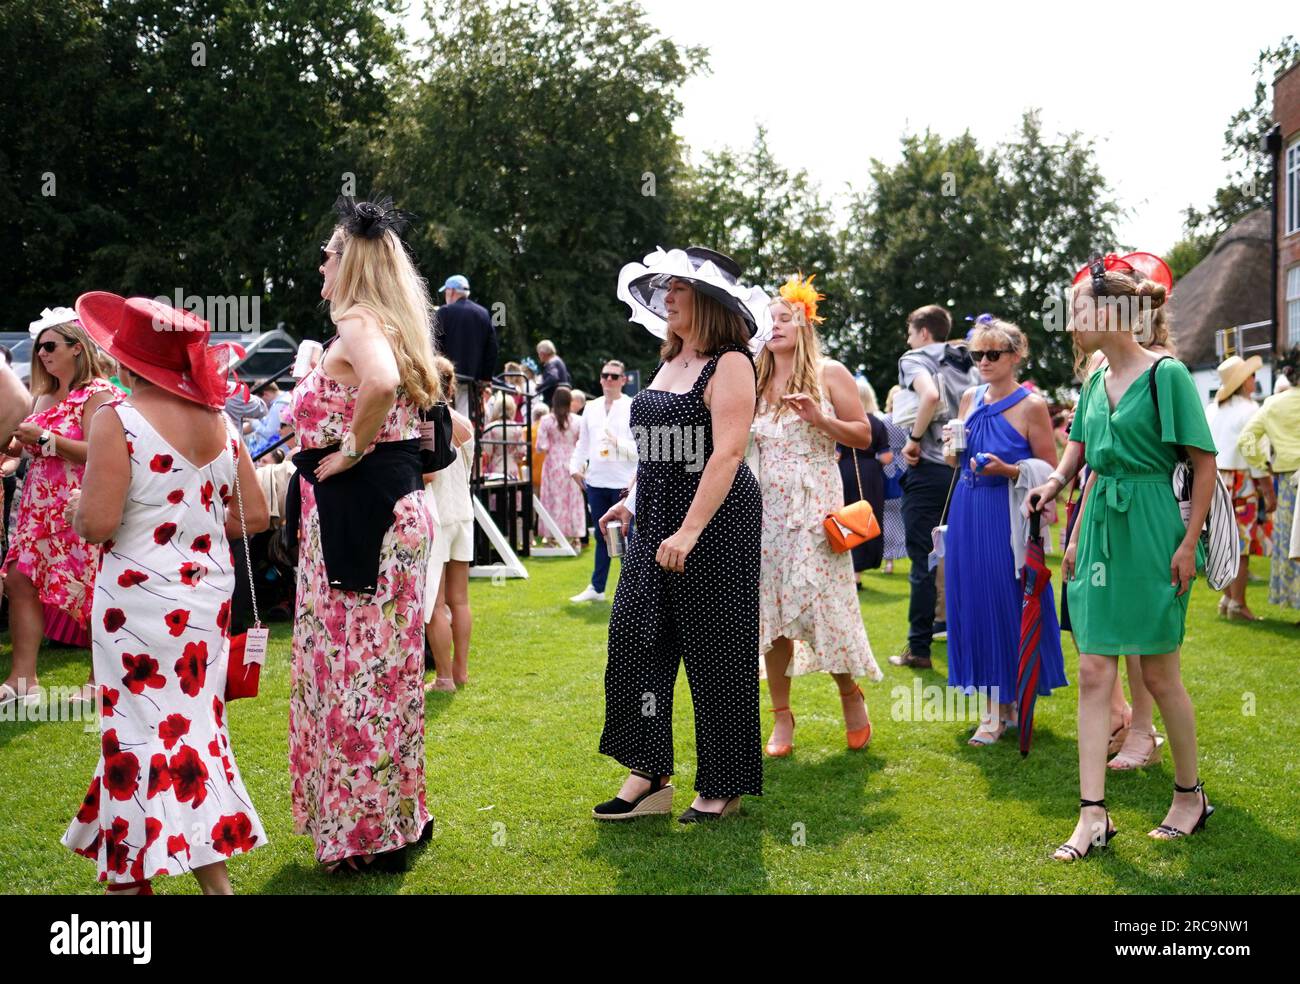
x=554, y=371
x=463, y=332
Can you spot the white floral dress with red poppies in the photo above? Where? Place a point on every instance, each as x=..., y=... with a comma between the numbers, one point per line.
x=166, y=796
x=356, y=699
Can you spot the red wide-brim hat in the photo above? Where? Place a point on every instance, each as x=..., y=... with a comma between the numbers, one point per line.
x=166, y=345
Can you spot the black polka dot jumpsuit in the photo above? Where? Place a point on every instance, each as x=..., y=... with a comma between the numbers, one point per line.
x=706, y=616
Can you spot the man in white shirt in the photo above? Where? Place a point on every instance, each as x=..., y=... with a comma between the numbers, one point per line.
x=604, y=461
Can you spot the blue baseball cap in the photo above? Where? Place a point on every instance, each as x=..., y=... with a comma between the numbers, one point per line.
x=456, y=282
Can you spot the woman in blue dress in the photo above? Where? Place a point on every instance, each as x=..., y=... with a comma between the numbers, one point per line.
x=1009, y=425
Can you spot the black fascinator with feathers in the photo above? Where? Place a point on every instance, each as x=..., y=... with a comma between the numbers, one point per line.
x=370, y=220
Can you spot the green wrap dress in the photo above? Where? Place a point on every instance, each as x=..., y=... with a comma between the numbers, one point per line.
x=1120, y=598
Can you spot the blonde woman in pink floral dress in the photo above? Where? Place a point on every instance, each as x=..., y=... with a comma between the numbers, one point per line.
x=356, y=704
x=48, y=564
x=809, y=619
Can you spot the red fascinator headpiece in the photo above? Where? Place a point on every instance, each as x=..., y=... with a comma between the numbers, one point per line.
x=1146, y=266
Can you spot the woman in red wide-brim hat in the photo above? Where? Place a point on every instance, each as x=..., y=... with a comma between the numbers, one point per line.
x=161, y=496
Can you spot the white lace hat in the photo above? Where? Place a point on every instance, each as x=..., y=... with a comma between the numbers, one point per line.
x=642, y=286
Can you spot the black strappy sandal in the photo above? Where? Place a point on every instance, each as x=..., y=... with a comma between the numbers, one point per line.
x=693, y=815
x=1073, y=853
x=1166, y=832
x=655, y=801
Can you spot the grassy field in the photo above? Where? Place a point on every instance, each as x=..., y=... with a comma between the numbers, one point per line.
x=513, y=773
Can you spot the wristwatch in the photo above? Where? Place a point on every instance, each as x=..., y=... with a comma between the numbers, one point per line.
x=1061, y=480
x=349, y=446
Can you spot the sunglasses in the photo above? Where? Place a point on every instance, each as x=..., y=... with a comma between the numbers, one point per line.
x=326, y=253
x=991, y=354
x=611, y=375
x=49, y=347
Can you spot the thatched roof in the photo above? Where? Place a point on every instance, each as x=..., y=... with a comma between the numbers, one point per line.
x=1231, y=286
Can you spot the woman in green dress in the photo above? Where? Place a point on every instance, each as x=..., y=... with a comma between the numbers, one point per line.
x=1129, y=587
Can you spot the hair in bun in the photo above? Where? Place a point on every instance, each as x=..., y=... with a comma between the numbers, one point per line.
x=1154, y=291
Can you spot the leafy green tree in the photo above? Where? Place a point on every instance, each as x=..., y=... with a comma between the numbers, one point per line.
x=537, y=147
x=1056, y=208
x=197, y=145
x=924, y=232
x=771, y=220
x=1249, y=185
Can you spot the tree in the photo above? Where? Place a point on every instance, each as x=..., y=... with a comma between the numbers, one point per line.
x=537, y=147
x=197, y=145
x=925, y=232
x=1250, y=183
x=772, y=221
x=1056, y=209
x=999, y=231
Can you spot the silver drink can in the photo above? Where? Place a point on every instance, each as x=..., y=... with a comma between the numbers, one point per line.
x=958, y=435
x=614, y=538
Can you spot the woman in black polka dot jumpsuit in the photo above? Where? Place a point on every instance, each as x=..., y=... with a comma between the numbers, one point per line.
x=688, y=590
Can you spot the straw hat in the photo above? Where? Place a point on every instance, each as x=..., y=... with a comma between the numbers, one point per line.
x=1233, y=371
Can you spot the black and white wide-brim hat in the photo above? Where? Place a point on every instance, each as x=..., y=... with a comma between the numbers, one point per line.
x=642, y=287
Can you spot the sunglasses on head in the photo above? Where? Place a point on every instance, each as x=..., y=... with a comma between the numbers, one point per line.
x=611, y=375
x=991, y=354
x=49, y=347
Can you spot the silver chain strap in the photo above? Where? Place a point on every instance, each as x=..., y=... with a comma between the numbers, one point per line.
x=243, y=529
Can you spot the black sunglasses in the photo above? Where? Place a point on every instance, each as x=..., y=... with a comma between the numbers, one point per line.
x=326, y=253
x=991, y=354
x=48, y=347
x=611, y=375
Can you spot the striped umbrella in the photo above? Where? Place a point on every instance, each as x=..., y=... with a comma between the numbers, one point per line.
x=1034, y=581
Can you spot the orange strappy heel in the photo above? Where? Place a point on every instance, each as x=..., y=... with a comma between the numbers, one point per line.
x=780, y=751
x=857, y=739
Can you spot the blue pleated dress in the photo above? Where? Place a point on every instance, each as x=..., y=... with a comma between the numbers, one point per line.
x=982, y=590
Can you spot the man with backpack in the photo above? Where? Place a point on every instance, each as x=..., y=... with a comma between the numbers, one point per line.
x=933, y=374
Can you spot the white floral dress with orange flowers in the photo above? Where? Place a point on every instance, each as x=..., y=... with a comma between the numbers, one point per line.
x=806, y=591
x=166, y=796
x=356, y=699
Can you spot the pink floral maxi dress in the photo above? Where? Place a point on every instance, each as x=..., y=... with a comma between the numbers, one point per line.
x=58, y=562
x=166, y=796
x=806, y=591
x=356, y=703
x=561, y=496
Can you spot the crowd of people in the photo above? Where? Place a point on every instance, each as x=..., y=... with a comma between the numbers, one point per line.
x=738, y=473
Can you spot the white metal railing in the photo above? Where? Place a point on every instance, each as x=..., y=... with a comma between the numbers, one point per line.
x=1244, y=340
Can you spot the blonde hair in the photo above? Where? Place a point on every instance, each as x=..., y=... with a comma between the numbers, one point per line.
x=91, y=363
x=868, y=397
x=378, y=274
x=805, y=377
x=446, y=371
x=1151, y=326
x=889, y=398
x=1007, y=333
x=714, y=326
x=501, y=406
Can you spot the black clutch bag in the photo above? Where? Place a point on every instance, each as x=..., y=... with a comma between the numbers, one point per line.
x=436, y=449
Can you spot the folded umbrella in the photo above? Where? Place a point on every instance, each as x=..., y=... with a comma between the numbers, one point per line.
x=1034, y=581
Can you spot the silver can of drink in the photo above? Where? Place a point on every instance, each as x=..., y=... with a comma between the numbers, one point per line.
x=958, y=435
x=614, y=539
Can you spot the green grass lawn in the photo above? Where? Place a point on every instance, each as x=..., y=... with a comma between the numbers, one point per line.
x=513, y=773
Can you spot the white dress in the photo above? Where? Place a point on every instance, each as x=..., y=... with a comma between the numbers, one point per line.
x=166, y=796
x=807, y=591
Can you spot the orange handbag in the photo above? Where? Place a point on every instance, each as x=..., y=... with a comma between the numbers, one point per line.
x=856, y=523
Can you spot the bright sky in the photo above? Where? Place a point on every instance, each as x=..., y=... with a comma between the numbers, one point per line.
x=836, y=82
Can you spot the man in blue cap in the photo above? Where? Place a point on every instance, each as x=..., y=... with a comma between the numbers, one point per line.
x=463, y=333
